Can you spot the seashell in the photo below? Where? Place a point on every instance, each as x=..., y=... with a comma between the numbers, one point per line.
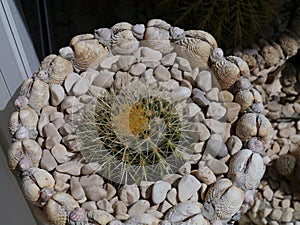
x=254, y=125
x=28, y=118
x=58, y=208
x=246, y=169
x=217, y=189
x=26, y=87
x=25, y=163
x=20, y=102
x=45, y=195
x=138, y=31
x=32, y=150
x=158, y=39
x=124, y=43
x=59, y=69
x=103, y=35
x=14, y=154
x=79, y=216
x=39, y=95
x=100, y=216
x=229, y=204
x=159, y=24
x=88, y=53
x=47, y=61
x=67, y=53
x=14, y=123
x=176, y=33
x=183, y=211
x=241, y=64
x=41, y=177
x=195, y=50
x=204, y=36
x=118, y=27
x=30, y=189
x=226, y=73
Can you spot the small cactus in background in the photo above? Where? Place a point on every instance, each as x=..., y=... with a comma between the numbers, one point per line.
x=231, y=22
x=135, y=135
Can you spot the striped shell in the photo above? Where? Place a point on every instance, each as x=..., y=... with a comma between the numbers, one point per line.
x=225, y=72
x=254, y=125
x=39, y=95
x=217, y=189
x=88, y=53
x=246, y=169
x=58, y=208
x=59, y=69
x=124, y=43
x=183, y=211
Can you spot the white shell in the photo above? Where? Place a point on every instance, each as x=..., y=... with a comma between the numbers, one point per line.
x=39, y=95
x=124, y=43
x=28, y=118
x=183, y=210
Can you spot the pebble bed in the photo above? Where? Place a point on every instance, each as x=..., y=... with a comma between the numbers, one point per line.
x=215, y=185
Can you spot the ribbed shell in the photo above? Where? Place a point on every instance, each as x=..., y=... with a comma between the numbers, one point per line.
x=28, y=118
x=183, y=210
x=226, y=73
x=88, y=53
x=32, y=150
x=58, y=207
x=124, y=43
x=39, y=95
x=59, y=69
x=230, y=203
x=14, y=123
x=217, y=189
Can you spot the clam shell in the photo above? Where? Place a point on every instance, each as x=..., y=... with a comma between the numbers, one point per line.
x=246, y=169
x=230, y=203
x=39, y=95
x=14, y=123
x=124, y=43
x=31, y=189
x=183, y=211
x=88, y=52
x=58, y=208
x=59, y=69
x=217, y=189
x=226, y=73
x=28, y=118
x=196, y=47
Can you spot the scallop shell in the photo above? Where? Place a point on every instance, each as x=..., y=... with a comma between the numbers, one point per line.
x=246, y=169
x=100, y=216
x=183, y=211
x=59, y=69
x=124, y=43
x=230, y=203
x=254, y=125
x=78, y=217
x=58, y=208
x=31, y=189
x=226, y=73
x=14, y=123
x=39, y=95
x=88, y=52
x=28, y=118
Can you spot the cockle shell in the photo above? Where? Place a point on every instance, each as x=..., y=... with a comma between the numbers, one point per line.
x=225, y=198
x=196, y=47
x=39, y=95
x=78, y=217
x=58, y=208
x=254, y=125
x=183, y=211
x=124, y=43
x=225, y=72
x=28, y=118
x=246, y=169
x=100, y=216
x=59, y=69
x=88, y=52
